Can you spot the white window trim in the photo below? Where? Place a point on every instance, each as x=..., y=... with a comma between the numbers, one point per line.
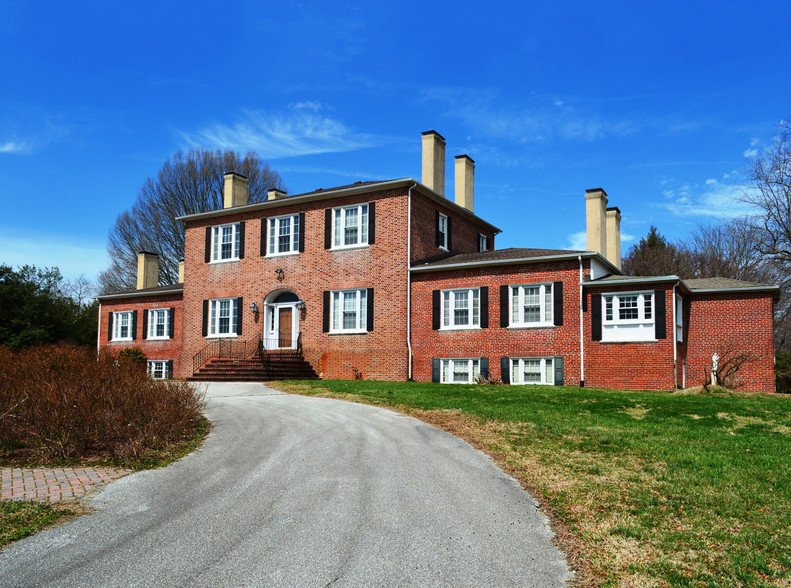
x=483, y=243
x=542, y=305
x=216, y=245
x=448, y=364
x=339, y=225
x=151, y=326
x=273, y=234
x=546, y=364
x=443, y=230
x=473, y=309
x=214, y=319
x=361, y=311
x=619, y=330
x=152, y=368
x=679, y=319
x=117, y=323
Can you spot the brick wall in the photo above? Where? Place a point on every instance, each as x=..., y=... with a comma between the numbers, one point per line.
x=154, y=349
x=728, y=322
x=495, y=341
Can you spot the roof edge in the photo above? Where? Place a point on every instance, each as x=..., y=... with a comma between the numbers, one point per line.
x=140, y=293
x=518, y=260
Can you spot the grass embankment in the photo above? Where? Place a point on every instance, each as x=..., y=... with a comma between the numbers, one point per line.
x=644, y=488
x=60, y=405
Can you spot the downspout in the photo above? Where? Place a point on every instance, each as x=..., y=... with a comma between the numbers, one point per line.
x=409, y=280
x=582, y=338
x=99, y=331
x=675, y=342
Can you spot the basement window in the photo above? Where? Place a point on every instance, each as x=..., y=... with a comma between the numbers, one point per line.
x=533, y=370
x=160, y=370
x=460, y=371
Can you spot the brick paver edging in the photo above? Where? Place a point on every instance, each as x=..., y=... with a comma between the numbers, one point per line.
x=53, y=484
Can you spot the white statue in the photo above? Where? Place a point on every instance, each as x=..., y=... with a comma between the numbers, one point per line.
x=715, y=362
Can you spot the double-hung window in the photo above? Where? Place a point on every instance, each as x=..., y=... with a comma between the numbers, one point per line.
x=483, y=243
x=628, y=316
x=225, y=242
x=460, y=371
x=461, y=308
x=349, y=311
x=442, y=230
x=159, y=370
x=350, y=226
x=123, y=326
x=533, y=370
x=222, y=317
x=531, y=305
x=284, y=235
x=158, y=323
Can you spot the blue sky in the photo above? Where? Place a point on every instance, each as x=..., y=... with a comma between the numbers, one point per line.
x=661, y=107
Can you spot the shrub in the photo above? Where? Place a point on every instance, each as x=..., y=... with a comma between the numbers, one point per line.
x=63, y=403
x=133, y=354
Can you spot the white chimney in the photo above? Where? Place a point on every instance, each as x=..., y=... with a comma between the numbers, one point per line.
x=147, y=270
x=595, y=220
x=613, y=215
x=465, y=182
x=434, y=161
x=234, y=190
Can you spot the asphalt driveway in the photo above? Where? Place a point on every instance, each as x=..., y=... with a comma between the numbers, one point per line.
x=299, y=491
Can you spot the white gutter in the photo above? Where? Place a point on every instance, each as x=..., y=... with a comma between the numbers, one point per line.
x=409, y=280
x=515, y=260
x=582, y=338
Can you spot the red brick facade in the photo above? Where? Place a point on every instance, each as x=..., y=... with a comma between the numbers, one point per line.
x=732, y=321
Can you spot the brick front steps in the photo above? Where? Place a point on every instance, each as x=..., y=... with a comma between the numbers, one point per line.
x=279, y=365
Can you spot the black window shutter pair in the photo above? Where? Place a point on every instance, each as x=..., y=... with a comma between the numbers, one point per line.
x=328, y=225
x=436, y=308
x=145, y=323
x=207, y=252
x=265, y=243
x=369, y=311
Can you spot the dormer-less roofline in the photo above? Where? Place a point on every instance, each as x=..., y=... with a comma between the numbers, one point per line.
x=332, y=193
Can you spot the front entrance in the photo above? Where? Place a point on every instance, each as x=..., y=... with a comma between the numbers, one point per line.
x=281, y=324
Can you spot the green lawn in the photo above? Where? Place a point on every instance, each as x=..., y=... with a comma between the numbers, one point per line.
x=644, y=488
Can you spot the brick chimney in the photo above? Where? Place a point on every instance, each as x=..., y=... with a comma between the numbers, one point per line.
x=234, y=190
x=613, y=215
x=596, y=220
x=465, y=182
x=147, y=270
x=434, y=161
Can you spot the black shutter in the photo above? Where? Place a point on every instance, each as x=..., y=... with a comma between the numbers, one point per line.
x=436, y=309
x=205, y=329
x=134, y=325
x=145, y=323
x=503, y=306
x=371, y=223
x=264, y=224
x=596, y=317
x=171, y=320
x=484, y=307
x=450, y=233
x=169, y=367
x=239, y=308
x=435, y=366
x=484, y=365
x=369, y=298
x=437, y=237
x=301, y=232
x=208, y=244
x=557, y=303
x=558, y=371
x=505, y=370
x=660, y=327
x=241, y=240
x=328, y=228
x=110, y=317
x=325, y=318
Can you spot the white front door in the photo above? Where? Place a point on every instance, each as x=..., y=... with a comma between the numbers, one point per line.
x=282, y=326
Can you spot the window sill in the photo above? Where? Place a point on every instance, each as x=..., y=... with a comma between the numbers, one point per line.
x=474, y=328
x=523, y=327
x=125, y=340
x=285, y=254
x=228, y=336
x=221, y=261
x=355, y=332
x=158, y=338
x=348, y=247
x=629, y=341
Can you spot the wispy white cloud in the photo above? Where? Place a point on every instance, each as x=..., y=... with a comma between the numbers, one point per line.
x=539, y=119
x=750, y=153
x=712, y=199
x=14, y=147
x=278, y=135
x=71, y=257
x=579, y=241
x=311, y=105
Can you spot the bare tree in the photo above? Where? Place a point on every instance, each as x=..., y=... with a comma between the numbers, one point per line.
x=186, y=184
x=770, y=194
